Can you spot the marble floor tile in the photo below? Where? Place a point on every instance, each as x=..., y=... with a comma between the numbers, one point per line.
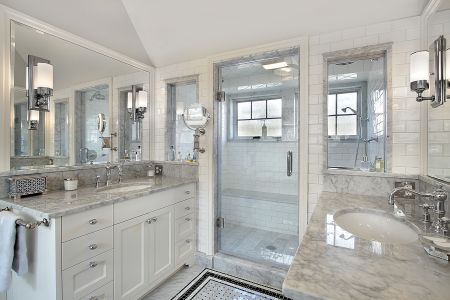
x=262, y=246
x=174, y=284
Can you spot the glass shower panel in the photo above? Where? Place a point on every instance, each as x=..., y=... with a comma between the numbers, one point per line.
x=258, y=125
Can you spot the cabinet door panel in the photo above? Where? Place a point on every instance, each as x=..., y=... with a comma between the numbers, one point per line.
x=131, y=257
x=162, y=241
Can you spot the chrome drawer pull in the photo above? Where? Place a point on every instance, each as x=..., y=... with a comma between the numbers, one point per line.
x=93, y=298
x=93, y=221
x=149, y=221
x=188, y=241
x=187, y=192
x=154, y=219
x=92, y=264
x=187, y=208
x=92, y=246
x=188, y=219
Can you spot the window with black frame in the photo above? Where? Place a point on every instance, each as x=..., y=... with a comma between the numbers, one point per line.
x=343, y=113
x=253, y=115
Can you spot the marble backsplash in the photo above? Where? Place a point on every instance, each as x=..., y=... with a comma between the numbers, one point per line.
x=372, y=184
x=86, y=175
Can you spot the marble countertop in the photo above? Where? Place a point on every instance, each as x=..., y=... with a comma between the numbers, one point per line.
x=60, y=203
x=333, y=264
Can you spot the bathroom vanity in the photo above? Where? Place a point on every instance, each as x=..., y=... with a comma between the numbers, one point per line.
x=332, y=263
x=112, y=243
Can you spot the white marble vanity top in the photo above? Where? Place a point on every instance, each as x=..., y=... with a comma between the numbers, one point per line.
x=333, y=264
x=61, y=203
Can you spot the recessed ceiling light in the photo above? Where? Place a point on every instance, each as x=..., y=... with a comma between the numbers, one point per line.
x=276, y=65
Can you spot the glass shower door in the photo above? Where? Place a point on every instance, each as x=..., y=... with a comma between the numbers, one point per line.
x=258, y=154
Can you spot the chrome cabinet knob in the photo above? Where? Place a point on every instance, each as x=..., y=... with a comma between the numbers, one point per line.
x=188, y=241
x=188, y=219
x=187, y=208
x=92, y=246
x=149, y=221
x=92, y=264
x=93, y=298
x=187, y=192
x=93, y=221
x=154, y=219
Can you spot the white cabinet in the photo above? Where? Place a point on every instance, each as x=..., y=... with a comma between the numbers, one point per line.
x=131, y=257
x=161, y=243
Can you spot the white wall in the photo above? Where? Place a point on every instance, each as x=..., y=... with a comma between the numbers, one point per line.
x=405, y=127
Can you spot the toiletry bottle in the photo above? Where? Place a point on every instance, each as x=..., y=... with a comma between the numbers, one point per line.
x=171, y=154
x=264, y=131
x=379, y=164
x=179, y=156
x=365, y=164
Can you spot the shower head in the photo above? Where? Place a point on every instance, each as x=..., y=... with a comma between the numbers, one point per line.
x=97, y=96
x=345, y=110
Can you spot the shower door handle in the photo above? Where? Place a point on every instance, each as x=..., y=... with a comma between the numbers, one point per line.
x=289, y=163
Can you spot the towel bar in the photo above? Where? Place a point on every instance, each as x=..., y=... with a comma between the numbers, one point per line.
x=33, y=225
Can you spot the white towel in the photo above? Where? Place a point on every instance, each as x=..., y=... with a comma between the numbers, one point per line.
x=20, y=260
x=7, y=242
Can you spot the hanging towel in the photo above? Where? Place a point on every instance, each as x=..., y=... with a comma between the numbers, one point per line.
x=20, y=260
x=7, y=242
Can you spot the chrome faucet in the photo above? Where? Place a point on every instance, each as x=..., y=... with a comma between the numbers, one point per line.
x=109, y=167
x=439, y=196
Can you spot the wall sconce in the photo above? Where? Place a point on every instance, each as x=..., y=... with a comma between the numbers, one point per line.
x=33, y=119
x=39, y=83
x=137, y=103
x=431, y=65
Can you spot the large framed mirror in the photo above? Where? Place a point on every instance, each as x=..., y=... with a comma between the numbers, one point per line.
x=438, y=158
x=85, y=84
x=356, y=110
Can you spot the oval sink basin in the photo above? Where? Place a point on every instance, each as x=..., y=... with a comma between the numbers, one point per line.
x=125, y=188
x=375, y=225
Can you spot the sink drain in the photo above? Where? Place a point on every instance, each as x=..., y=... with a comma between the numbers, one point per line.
x=271, y=248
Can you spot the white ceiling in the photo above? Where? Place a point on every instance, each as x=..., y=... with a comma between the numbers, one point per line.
x=102, y=21
x=165, y=32
x=176, y=31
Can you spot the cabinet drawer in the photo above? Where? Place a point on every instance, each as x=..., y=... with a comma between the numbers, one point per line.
x=86, y=246
x=185, y=192
x=103, y=293
x=84, y=278
x=184, y=208
x=86, y=222
x=184, y=226
x=184, y=249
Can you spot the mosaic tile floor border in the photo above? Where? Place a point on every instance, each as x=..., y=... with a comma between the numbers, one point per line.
x=221, y=281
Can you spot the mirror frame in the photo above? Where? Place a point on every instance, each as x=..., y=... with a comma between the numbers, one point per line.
x=7, y=16
x=359, y=53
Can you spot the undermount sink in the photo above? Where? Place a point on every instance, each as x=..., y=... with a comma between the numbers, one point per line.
x=125, y=188
x=375, y=225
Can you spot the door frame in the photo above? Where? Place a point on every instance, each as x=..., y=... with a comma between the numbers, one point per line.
x=302, y=130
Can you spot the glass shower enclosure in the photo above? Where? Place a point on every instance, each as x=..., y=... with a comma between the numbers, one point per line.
x=257, y=151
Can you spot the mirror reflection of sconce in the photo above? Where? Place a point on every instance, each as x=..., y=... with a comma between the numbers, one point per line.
x=137, y=103
x=33, y=120
x=196, y=117
x=434, y=64
x=101, y=123
x=180, y=108
x=39, y=83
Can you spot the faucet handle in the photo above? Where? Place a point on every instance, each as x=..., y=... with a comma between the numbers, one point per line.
x=426, y=212
x=444, y=225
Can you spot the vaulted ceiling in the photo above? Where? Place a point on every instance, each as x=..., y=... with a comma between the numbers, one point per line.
x=163, y=32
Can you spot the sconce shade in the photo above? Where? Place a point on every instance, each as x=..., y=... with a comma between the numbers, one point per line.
x=419, y=66
x=33, y=115
x=141, y=101
x=43, y=76
x=130, y=100
x=180, y=108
